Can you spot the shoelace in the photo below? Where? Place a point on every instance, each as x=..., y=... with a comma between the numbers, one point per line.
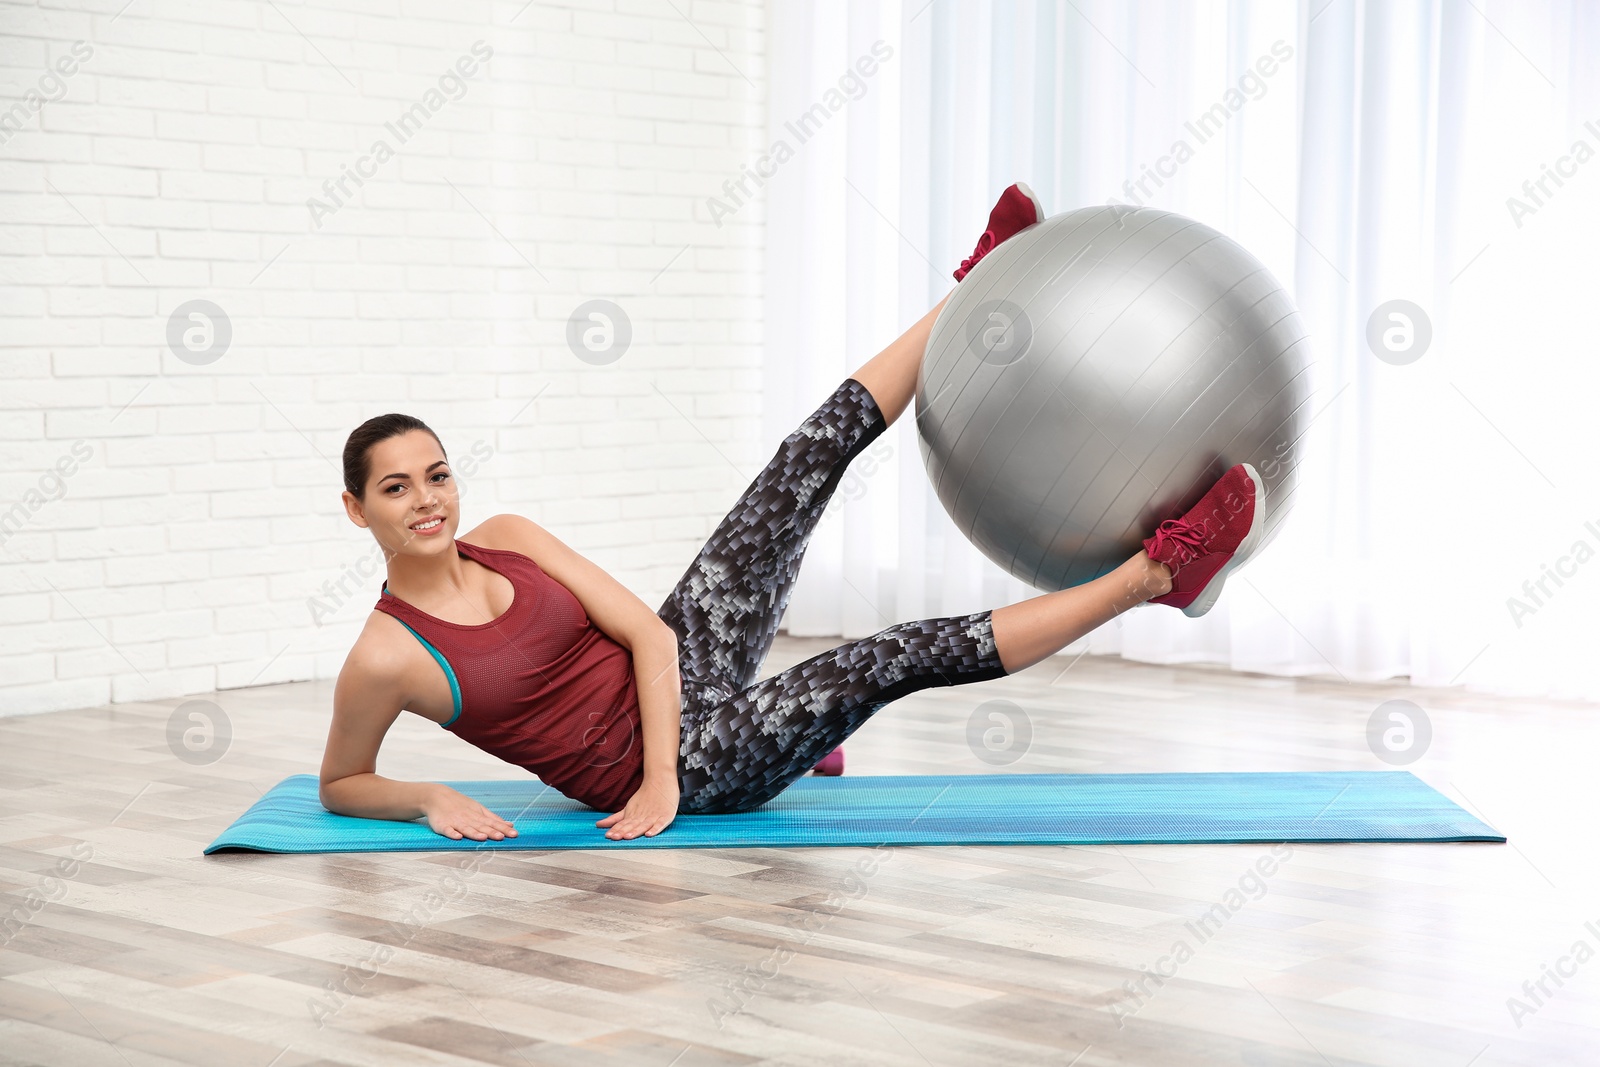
x=1185, y=535
x=985, y=246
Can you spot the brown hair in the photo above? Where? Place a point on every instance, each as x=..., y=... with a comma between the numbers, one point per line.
x=358, y=447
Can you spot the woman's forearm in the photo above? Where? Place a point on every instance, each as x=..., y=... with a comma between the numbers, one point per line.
x=655, y=669
x=372, y=796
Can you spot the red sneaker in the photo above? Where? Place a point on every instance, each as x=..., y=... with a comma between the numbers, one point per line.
x=832, y=765
x=1212, y=539
x=1016, y=210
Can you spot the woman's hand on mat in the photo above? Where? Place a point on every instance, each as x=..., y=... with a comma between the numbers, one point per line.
x=651, y=810
x=456, y=815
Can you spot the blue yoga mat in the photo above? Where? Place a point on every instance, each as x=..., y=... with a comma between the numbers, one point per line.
x=925, y=809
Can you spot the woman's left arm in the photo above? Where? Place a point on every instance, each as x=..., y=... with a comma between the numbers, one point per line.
x=627, y=620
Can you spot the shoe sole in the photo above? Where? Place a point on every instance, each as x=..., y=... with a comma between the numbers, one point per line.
x=1038, y=208
x=1252, y=540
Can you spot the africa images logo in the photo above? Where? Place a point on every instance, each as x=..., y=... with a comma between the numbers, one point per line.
x=404, y=127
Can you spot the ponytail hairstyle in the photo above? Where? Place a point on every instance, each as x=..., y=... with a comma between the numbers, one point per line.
x=358, y=447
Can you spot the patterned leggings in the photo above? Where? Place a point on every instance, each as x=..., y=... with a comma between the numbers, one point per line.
x=744, y=742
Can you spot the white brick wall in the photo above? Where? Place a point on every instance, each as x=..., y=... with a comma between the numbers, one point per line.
x=178, y=550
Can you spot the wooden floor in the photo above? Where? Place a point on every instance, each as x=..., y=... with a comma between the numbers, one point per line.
x=123, y=945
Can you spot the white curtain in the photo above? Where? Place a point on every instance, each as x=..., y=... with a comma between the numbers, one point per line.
x=1447, y=528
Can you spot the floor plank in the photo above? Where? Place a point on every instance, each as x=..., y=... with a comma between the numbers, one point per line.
x=126, y=945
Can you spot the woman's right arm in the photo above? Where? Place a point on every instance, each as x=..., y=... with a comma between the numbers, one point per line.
x=366, y=701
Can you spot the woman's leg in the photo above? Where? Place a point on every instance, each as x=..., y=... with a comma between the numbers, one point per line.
x=1030, y=630
x=891, y=375
x=740, y=752
x=727, y=606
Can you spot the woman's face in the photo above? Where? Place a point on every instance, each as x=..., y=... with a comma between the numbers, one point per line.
x=409, y=485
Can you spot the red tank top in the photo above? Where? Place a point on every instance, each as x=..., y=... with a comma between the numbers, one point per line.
x=541, y=686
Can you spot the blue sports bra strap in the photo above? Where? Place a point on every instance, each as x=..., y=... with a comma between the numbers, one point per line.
x=455, y=687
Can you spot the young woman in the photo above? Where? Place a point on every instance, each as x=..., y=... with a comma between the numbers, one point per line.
x=521, y=646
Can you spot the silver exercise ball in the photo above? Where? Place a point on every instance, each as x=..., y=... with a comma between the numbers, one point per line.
x=1094, y=375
